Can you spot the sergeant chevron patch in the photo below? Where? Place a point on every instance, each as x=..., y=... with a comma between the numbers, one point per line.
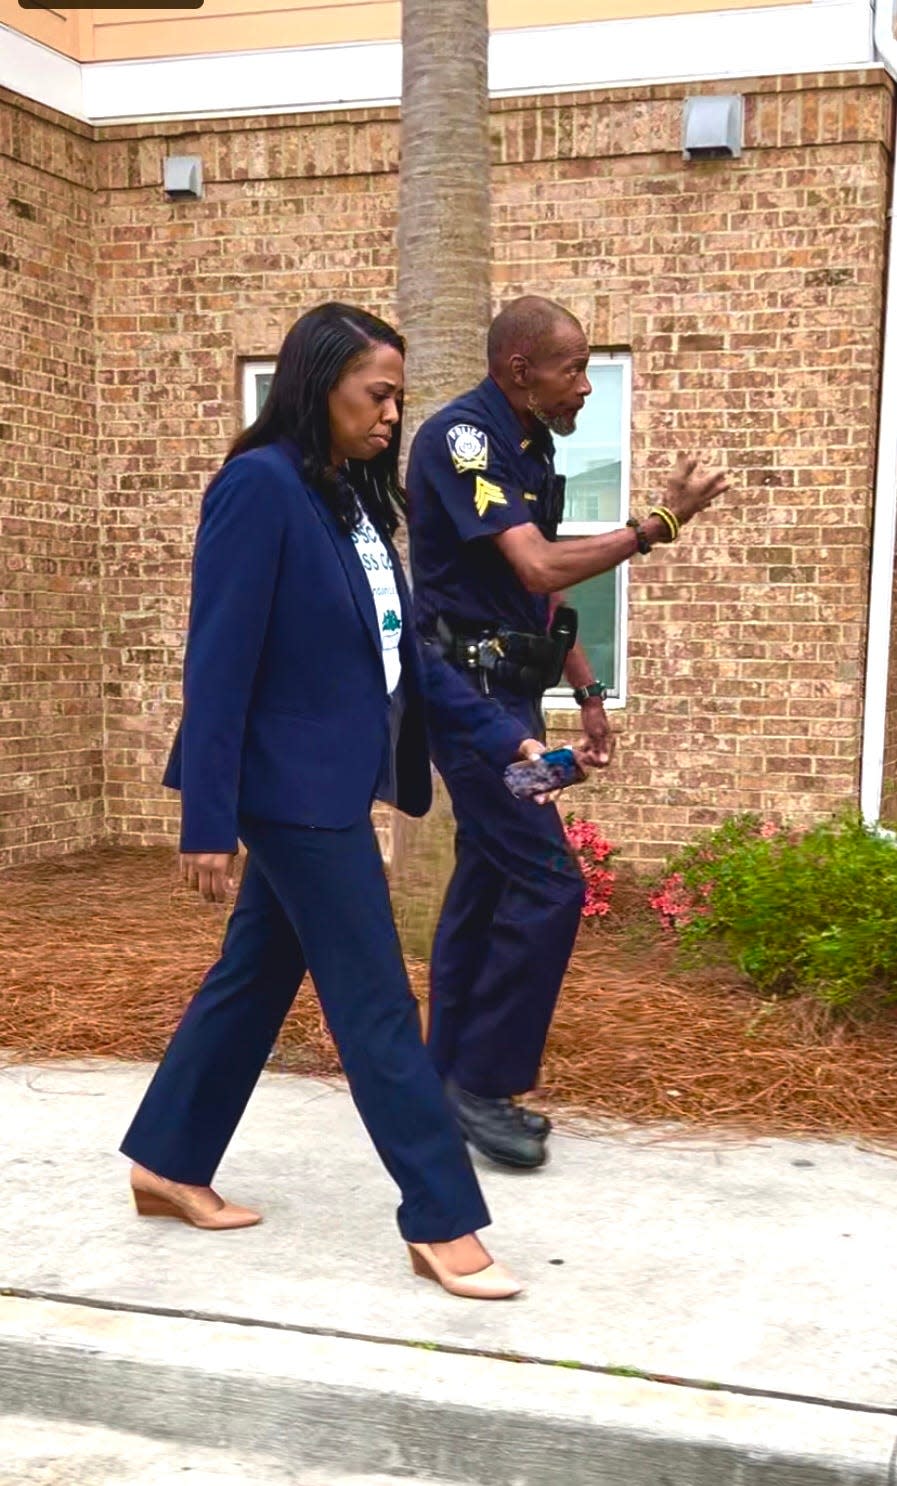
x=468, y=447
x=487, y=494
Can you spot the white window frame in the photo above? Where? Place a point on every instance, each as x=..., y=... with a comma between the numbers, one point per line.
x=252, y=370
x=560, y=699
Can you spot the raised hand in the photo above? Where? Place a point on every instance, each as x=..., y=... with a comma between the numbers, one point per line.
x=691, y=489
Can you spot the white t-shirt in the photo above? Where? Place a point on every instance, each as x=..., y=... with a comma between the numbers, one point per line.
x=377, y=564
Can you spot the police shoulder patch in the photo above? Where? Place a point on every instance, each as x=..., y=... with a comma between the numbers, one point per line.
x=486, y=494
x=468, y=447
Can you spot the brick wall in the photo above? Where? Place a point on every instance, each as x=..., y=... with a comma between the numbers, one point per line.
x=889, y=781
x=50, y=702
x=294, y=212
x=749, y=293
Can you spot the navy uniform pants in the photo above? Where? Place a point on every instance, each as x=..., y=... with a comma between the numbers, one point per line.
x=507, y=926
x=314, y=899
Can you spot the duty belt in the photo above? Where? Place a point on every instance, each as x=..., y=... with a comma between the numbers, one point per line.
x=522, y=663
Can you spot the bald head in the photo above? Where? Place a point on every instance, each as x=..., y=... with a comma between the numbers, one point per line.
x=539, y=356
x=532, y=327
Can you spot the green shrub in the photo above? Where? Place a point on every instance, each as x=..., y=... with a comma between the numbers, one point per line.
x=813, y=911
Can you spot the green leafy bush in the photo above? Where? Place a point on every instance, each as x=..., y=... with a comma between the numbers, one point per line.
x=813, y=911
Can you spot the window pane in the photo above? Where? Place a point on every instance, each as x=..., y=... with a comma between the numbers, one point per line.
x=262, y=388
x=592, y=457
x=596, y=602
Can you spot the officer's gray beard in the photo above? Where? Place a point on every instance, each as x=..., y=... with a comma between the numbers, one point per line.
x=561, y=424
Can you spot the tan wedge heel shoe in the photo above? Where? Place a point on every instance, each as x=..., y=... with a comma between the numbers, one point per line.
x=171, y=1200
x=492, y=1283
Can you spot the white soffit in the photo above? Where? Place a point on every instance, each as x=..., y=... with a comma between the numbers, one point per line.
x=775, y=40
x=34, y=71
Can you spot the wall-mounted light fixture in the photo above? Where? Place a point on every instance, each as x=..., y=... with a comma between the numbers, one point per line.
x=713, y=127
x=182, y=177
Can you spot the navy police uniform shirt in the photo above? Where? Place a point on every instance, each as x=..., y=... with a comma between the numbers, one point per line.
x=473, y=473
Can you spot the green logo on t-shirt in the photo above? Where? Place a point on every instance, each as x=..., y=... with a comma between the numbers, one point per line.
x=391, y=622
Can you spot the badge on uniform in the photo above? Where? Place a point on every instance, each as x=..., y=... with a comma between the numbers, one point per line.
x=487, y=494
x=468, y=447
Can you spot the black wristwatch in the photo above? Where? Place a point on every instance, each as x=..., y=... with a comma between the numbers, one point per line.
x=581, y=694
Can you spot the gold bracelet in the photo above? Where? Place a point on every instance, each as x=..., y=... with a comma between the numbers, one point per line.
x=671, y=515
x=669, y=519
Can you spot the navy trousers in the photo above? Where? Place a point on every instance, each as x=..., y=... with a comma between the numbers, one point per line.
x=506, y=930
x=315, y=899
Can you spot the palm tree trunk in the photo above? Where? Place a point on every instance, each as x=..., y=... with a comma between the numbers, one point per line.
x=444, y=284
x=444, y=227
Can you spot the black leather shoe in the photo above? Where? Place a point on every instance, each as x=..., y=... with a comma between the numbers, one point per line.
x=537, y=1124
x=496, y=1128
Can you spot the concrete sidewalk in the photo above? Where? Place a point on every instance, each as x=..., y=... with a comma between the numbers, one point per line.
x=752, y=1286
x=86, y=1455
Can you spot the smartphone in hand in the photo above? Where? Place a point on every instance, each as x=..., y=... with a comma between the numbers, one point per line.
x=553, y=770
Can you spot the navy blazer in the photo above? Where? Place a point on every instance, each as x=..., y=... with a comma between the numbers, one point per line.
x=286, y=714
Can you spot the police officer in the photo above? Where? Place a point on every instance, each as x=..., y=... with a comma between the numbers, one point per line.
x=484, y=509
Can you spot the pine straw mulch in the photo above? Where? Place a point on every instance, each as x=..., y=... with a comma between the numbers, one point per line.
x=101, y=951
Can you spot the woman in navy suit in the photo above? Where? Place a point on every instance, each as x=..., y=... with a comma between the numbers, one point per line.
x=303, y=701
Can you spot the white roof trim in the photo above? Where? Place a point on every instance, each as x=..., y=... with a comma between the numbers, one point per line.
x=775, y=40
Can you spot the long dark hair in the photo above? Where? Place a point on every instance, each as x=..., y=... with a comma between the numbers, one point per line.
x=316, y=353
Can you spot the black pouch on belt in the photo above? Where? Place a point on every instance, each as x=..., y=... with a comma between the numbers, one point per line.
x=524, y=663
x=563, y=631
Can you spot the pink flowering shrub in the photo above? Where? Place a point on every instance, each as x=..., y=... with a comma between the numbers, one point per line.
x=796, y=910
x=684, y=894
x=592, y=851
x=675, y=903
